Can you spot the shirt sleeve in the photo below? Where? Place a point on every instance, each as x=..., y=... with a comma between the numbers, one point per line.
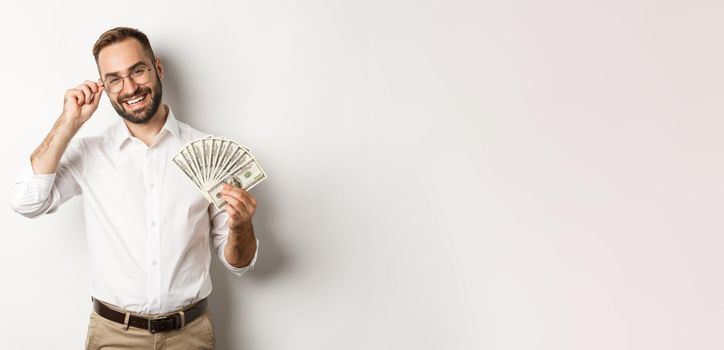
x=220, y=235
x=35, y=195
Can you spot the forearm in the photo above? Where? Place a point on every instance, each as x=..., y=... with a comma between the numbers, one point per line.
x=240, y=247
x=46, y=157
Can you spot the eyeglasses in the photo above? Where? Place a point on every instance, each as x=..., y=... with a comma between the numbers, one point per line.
x=139, y=75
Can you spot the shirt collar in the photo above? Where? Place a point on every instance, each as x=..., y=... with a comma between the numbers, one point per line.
x=122, y=133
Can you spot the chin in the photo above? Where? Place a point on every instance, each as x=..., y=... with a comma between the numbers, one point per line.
x=142, y=116
x=138, y=120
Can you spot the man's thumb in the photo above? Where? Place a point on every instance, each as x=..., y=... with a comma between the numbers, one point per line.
x=97, y=95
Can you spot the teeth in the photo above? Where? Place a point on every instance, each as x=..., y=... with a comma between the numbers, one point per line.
x=135, y=100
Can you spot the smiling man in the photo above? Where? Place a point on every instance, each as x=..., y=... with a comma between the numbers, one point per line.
x=149, y=230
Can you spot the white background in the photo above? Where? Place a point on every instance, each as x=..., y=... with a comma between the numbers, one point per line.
x=442, y=174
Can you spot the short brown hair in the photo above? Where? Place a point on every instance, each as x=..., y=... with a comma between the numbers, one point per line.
x=119, y=34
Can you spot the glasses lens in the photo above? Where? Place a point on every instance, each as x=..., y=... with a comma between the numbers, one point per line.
x=140, y=75
x=113, y=85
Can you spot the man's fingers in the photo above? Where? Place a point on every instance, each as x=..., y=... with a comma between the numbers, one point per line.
x=76, y=96
x=95, y=91
x=97, y=95
x=232, y=211
x=241, y=195
x=91, y=91
x=237, y=217
x=88, y=94
x=236, y=194
x=92, y=85
x=238, y=205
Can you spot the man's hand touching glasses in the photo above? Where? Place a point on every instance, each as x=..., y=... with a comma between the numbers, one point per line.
x=81, y=101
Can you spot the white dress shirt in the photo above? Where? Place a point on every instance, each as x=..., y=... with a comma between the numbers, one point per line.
x=148, y=227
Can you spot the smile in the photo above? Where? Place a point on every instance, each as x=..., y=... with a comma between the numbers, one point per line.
x=136, y=100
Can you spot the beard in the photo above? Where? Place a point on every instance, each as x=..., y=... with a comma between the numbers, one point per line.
x=144, y=115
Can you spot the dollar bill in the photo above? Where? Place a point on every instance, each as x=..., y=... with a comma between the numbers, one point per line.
x=211, y=161
x=246, y=177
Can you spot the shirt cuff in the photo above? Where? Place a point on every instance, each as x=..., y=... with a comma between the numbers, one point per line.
x=36, y=186
x=239, y=270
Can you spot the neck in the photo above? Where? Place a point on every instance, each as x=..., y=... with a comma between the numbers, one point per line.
x=147, y=132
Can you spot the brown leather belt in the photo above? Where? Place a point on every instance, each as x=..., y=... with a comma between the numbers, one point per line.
x=153, y=325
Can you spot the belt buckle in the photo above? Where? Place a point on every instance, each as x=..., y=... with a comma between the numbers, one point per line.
x=157, y=321
x=161, y=321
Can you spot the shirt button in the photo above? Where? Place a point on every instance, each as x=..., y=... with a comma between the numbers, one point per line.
x=155, y=262
x=151, y=186
x=153, y=223
x=154, y=301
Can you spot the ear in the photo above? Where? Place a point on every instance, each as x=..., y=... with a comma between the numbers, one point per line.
x=159, y=67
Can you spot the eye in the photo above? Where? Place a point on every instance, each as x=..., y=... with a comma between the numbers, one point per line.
x=113, y=80
x=138, y=71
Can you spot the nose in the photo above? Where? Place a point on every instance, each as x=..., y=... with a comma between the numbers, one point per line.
x=129, y=86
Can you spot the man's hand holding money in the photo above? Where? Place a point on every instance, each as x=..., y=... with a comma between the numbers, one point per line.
x=224, y=172
x=240, y=205
x=241, y=243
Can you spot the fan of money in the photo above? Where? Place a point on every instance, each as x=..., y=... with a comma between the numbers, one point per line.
x=213, y=161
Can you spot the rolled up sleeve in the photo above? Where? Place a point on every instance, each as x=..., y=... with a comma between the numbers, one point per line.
x=220, y=235
x=35, y=195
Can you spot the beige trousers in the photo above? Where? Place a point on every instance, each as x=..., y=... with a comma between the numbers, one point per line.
x=108, y=335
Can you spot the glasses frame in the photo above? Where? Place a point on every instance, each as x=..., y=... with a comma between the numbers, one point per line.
x=123, y=81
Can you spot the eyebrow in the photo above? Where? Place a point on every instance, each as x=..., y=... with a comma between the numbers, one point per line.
x=115, y=74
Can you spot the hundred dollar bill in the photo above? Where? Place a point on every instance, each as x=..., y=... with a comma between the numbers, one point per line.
x=246, y=177
x=211, y=160
x=225, y=152
x=237, y=160
x=182, y=162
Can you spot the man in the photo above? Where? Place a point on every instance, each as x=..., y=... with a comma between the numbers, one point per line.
x=148, y=227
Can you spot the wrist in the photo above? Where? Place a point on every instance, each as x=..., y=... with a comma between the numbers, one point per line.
x=244, y=232
x=70, y=122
